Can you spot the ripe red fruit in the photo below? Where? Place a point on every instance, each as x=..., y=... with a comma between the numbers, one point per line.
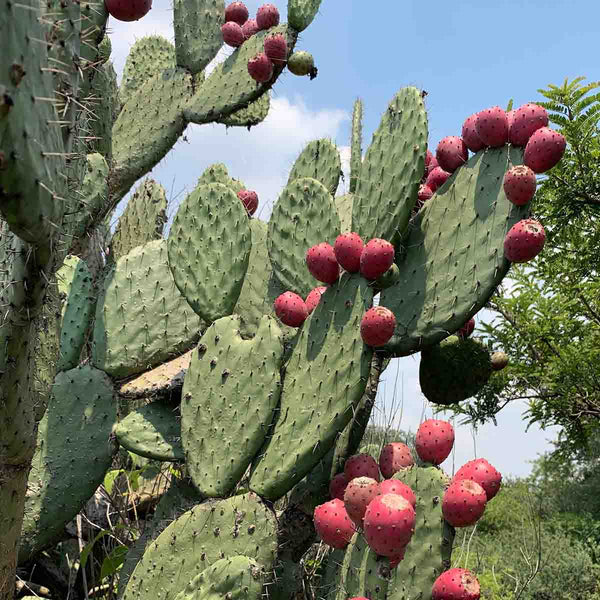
x=232, y=34
x=492, y=127
x=394, y=457
x=332, y=524
x=434, y=441
x=456, y=584
x=376, y=258
x=393, y=486
x=431, y=164
x=127, y=10
x=466, y=330
x=249, y=199
x=527, y=119
x=463, y=503
x=276, y=48
x=451, y=153
x=377, y=326
x=322, y=264
x=337, y=486
x=250, y=27
x=314, y=297
x=359, y=493
x=425, y=193
x=524, y=241
x=267, y=16
x=291, y=309
x=348, y=248
x=544, y=149
x=361, y=465
x=510, y=116
x=469, y=134
x=436, y=178
x=236, y=12
x=519, y=184
x=396, y=560
x=483, y=473
x=260, y=68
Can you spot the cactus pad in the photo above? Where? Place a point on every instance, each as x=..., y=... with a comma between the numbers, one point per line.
x=344, y=208
x=217, y=173
x=319, y=160
x=302, y=12
x=356, y=145
x=253, y=114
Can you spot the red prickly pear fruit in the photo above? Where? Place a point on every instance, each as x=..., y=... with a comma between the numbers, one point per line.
x=434, y=441
x=249, y=199
x=260, y=68
x=527, y=119
x=291, y=309
x=232, y=34
x=361, y=465
x=524, y=241
x=544, y=149
x=519, y=184
x=510, y=116
x=322, y=264
x=432, y=164
x=267, y=16
x=470, y=135
x=436, y=178
x=463, y=503
x=376, y=258
x=377, y=326
x=499, y=361
x=389, y=524
x=127, y=10
x=451, y=153
x=456, y=584
x=492, y=126
x=236, y=12
x=466, y=330
x=425, y=193
x=396, y=560
x=337, y=486
x=393, y=486
x=348, y=248
x=359, y=493
x=314, y=297
x=276, y=48
x=249, y=28
x=333, y=525
x=482, y=472
x=394, y=457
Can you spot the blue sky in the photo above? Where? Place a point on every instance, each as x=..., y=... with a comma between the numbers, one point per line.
x=468, y=55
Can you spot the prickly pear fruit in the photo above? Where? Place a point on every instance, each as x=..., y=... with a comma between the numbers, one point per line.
x=337, y=486
x=492, y=126
x=482, y=472
x=544, y=149
x=436, y=178
x=291, y=309
x=396, y=560
x=333, y=525
x=359, y=493
x=451, y=153
x=456, y=584
x=389, y=524
x=314, y=297
x=467, y=329
x=361, y=465
x=260, y=68
x=463, y=503
x=394, y=457
x=524, y=240
x=127, y=10
x=348, y=248
x=510, y=117
x=470, y=135
x=302, y=63
x=232, y=34
x=425, y=193
x=430, y=162
x=434, y=441
x=250, y=27
x=267, y=16
x=249, y=199
x=276, y=48
x=394, y=486
x=499, y=360
x=377, y=326
x=376, y=258
x=322, y=264
x=527, y=119
x=236, y=12
x=519, y=184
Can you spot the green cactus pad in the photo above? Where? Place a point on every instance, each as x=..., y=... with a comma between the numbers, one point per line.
x=217, y=173
x=215, y=529
x=234, y=578
x=454, y=253
x=428, y=552
x=319, y=160
x=229, y=394
x=141, y=318
x=344, y=208
x=209, y=246
x=72, y=456
x=325, y=380
x=386, y=190
x=94, y=46
x=229, y=87
x=143, y=219
x=75, y=281
x=356, y=145
x=198, y=35
x=302, y=12
x=253, y=114
x=328, y=586
x=304, y=215
x=105, y=108
x=152, y=431
x=454, y=370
